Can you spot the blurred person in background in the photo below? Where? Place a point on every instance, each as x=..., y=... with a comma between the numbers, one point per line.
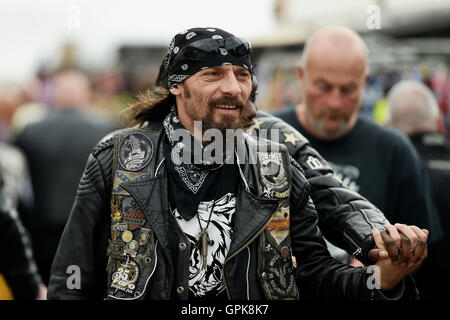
x=12, y=161
x=19, y=277
x=11, y=98
x=20, y=105
x=413, y=110
x=56, y=148
x=377, y=162
x=22, y=278
x=17, y=183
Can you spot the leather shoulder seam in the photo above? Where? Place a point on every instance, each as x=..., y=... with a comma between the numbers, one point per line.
x=106, y=143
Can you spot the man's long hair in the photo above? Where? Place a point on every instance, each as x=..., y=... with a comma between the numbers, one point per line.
x=152, y=105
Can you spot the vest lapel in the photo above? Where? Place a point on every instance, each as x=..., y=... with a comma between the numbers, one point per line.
x=152, y=197
x=252, y=214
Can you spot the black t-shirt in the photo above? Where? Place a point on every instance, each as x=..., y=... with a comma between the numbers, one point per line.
x=219, y=191
x=435, y=155
x=381, y=164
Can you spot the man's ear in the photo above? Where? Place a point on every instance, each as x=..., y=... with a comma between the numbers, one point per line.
x=175, y=90
x=300, y=72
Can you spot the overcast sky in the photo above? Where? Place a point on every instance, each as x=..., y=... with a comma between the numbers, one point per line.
x=33, y=31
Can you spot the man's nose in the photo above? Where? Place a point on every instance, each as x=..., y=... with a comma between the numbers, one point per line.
x=230, y=85
x=334, y=100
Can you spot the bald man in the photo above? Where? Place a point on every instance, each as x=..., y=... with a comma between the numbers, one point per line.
x=413, y=109
x=377, y=162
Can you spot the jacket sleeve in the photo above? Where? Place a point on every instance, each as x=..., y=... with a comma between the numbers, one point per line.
x=345, y=217
x=78, y=270
x=319, y=276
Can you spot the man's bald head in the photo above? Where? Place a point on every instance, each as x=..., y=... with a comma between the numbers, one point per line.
x=335, y=41
x=412, y=108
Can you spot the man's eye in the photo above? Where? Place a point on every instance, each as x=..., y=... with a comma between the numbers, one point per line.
x=324, y=87
x=243, y=75
x=348, y=90
x=212, y=73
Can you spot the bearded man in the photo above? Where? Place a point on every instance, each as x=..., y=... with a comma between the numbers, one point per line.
x=168, y=217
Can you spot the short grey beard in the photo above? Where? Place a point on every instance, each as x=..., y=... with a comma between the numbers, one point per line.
x=318, y=126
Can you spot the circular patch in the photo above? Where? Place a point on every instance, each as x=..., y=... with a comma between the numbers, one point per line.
x=135, y=152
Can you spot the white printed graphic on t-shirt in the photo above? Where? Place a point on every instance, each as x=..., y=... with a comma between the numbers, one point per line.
x=348, y=174
x=203, y=280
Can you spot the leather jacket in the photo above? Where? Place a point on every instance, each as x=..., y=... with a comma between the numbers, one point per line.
x=268, y=229
x=345, y=217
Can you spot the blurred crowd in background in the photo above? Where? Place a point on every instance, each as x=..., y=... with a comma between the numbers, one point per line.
x=49, y=124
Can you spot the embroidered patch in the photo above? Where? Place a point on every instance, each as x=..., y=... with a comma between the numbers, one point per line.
x=281, y=277
x=135, y=152
x=134, y=219
x=123, y=176
x=278, y=226
x=125, y=277
x=314, y=163
x=273, y=175
x=290, y=138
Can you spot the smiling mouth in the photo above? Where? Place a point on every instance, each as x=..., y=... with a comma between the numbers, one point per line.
x=226, y=106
